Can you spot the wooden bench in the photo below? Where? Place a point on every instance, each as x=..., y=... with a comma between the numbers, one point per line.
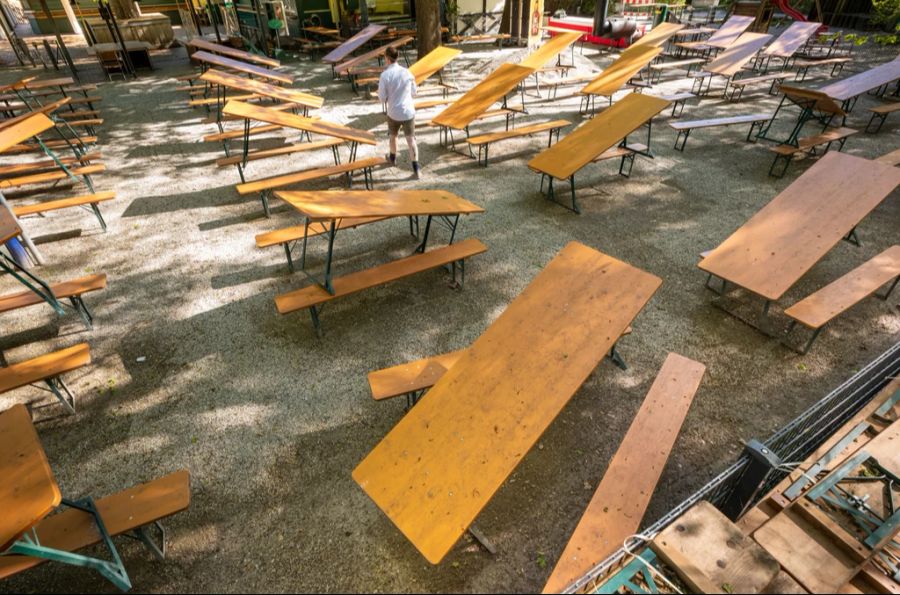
x=256, y=155
x=233, y=134
x=483, y=141
x=81, y=141
x=807, y=145
x=30, y=494
x=18, y=169
x=72, y=290
x=47, y=369
x=555, y=84
x=892, y=158
x=803, y=66
x=289, y=236
x=435, y=471
x=657, y=68
x=880, y=114
x=497, y=38
x=826, y=304
x=313, y=297
x=413, y=378
x=618, y=505
x=738, y=84
x=678, y=101
x=684, y=129
x=54, y=176
x=91, y=200
x=266, y=185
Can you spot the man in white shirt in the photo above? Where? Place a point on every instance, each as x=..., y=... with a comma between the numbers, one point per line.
x=397, y=87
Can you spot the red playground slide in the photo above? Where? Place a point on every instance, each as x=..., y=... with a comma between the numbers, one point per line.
x=786, y=9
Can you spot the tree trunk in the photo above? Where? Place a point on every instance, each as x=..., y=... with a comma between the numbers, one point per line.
x=124, y=9
x=428, y=25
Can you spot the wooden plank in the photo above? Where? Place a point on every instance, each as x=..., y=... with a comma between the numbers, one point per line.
x=479, y=98
x=820, y=563
x=726, y=121
x=432, y=62
x=892, y=158
x=338, y=204
x=315, y=294
x=45, y=366
x=550, y=50
x=516, y=132
x=712, y=555
x=23, y=130
x=351, y=45
x=8, y=226
x=261, y=113
x=845, y=292
x=251, y=69
x=791, y=39
x=863, y=82
x=731, y=60
x=781, y=242
x=595, y=136
x=62, y=203
x=28, y=492
x=441, y=464
x=618, y=506
x=370, y=55
x=121, y=512
x=626, y=66
x=659, y=35
x=306, y=175
x=411, y=376
x=823, y=102
x=224, y=50
x=729, y=31
x=66, y=289
x=246, y=85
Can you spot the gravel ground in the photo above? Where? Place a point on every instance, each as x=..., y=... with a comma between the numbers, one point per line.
x=270, y=420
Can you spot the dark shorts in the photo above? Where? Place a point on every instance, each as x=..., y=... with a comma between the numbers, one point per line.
x=409, y=126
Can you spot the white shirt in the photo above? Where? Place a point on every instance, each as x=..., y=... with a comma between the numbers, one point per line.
x=397, y=87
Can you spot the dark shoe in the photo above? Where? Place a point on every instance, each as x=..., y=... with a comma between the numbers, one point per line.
x=416, y=169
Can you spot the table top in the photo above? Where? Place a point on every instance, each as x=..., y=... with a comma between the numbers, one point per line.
x=217, y=48
x=550, y=49
x=781, y=242
x=323, y=31
x=732, y=59
x=251, y=69
x=339, y=204
x=864, y=81
x=659, y=35
x=28, y=491
x=479, y=98
x=591, y=139
x=626, y=66
x=433, y=61
x=792, y=39
x=371, y=54
x=729, y=31
x=243, y=109
x=444, y=460
x=242, y=83
x=823, y=102
x=351, y=45
x=31, y=125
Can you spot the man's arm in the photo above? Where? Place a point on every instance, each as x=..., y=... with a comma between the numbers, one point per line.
x=382, y=89
x=412, y=85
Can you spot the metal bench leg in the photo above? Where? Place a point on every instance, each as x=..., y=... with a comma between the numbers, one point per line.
x=572, y=190
x=751, y=138
x=82, y=309
x=880, y=118
x=99, y=215
x=314, y=314
x=615, y=358
x=787, y=161
x=682, y=136
x=890, y=290
x=626, y=159
x=805, y=349
x=143, y=535
x=62, y=393
x=290, y=259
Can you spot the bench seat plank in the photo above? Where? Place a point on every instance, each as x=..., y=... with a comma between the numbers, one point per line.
x=257, y=87
x=807, y=143
x=336, y=204
x=886, y=108
x=66, y=289
x=296, y=232
x=52, y=176
x=232, y=64
x=279, y=151
x=121, y=512
x=62, y=203
x=618, y=506
x=233, y=134
x=726, y=121
x=307, y=175
x=20, y=168
x=45, y=366
x=441, y=464
x=51, y=144
x=491, y=137
x=817, y=309
x=313, y=295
